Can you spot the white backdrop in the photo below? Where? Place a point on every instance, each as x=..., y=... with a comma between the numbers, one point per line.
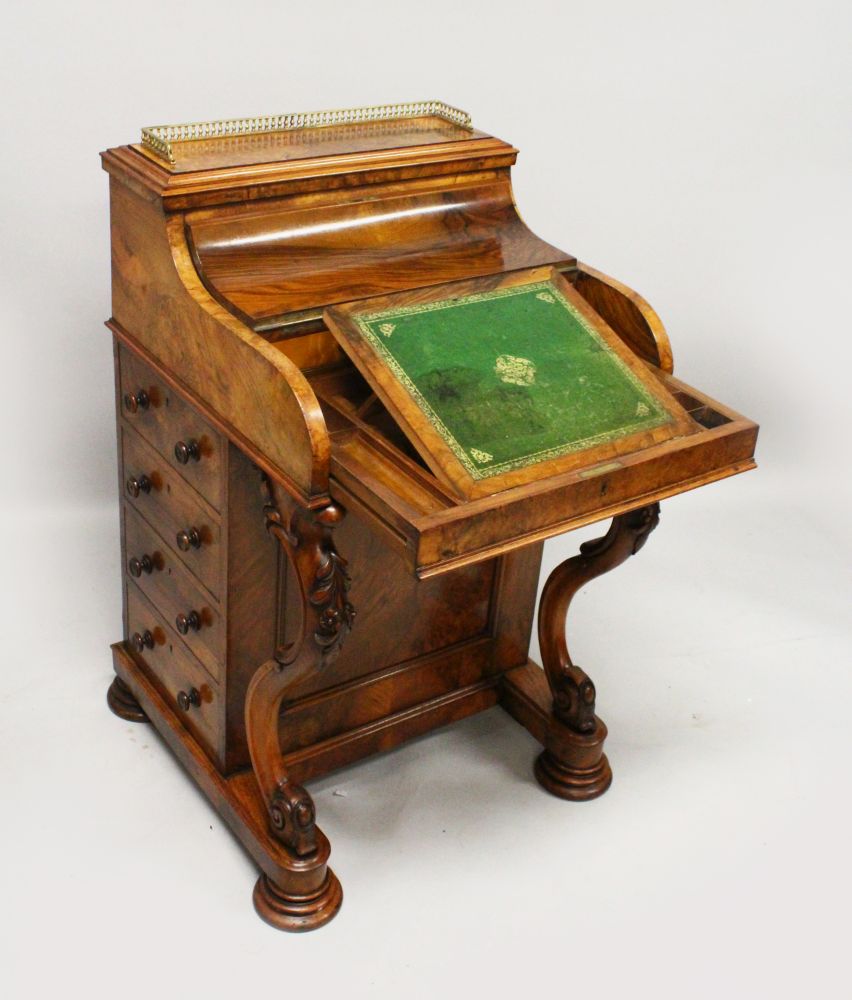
x=700, y=153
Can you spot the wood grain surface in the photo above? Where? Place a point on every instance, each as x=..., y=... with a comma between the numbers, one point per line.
x=348, y=598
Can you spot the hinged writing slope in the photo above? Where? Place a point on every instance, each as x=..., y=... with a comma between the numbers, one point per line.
x=504, y=381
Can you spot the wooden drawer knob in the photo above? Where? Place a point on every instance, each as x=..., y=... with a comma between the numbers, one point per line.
x=186, y=699
x=139, y=566
x=184, y=623
x=139, y=400
x=186, y=450
x=138, y=484
x=141, y=641
x=189, y=538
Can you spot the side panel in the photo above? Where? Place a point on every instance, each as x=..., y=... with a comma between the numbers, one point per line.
x=627, y=313
x=252, y=564
x=413, y=642
x=259, y=395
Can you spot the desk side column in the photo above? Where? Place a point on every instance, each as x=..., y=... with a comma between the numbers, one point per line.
x=312, y=893
x=572, y=765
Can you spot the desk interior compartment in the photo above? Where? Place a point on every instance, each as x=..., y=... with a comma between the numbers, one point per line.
x=376, y=469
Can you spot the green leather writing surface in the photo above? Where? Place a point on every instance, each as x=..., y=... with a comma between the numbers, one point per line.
x=511, y=377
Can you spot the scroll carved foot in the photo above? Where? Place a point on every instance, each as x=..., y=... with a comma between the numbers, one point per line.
x=122, y=703
x=573, y=765
x=293, y=817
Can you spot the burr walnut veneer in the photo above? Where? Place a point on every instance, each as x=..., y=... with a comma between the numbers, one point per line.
x=301, y=587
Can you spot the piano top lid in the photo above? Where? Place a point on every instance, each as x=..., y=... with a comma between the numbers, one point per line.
x=241, y=142
x=235, y=161
x=287, y=214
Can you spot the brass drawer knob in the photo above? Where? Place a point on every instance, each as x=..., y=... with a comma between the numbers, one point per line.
x=139, y=400
x=138, y=484
x=186, y=699
x=139, y=566
x=186, y=450
x=141, y=641
x=189, y=621
x=189, y=538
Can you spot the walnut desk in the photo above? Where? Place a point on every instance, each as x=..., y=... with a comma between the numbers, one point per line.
x=332, y=518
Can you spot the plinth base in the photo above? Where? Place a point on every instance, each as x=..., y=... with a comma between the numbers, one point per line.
x=573, y=765
x=297, y=913
x=122, y=703
x=293, y=893
x=576, y=784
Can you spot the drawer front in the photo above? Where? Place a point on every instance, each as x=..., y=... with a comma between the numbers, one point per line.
x=185, y=683
x=189, y=527
x=170, y=588
x=187, y=442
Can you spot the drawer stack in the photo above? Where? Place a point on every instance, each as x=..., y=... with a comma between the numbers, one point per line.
x=199, y=568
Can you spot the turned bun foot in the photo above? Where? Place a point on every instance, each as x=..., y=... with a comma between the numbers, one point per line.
x=574, y=766
x=122, y=703
x=297, y=913
x=574, y=784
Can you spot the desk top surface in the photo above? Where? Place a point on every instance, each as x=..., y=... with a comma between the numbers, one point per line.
x=495, y=378
x=512, y=376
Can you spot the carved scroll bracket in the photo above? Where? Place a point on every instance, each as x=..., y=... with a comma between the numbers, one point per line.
x=573, y=690
x=327, y=616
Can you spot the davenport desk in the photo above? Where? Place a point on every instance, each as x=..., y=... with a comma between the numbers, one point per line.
x=355, y=395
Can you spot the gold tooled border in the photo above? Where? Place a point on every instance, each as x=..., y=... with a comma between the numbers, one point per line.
x=533, y=458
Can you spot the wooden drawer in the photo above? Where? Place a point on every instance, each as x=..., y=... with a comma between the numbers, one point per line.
x=189, y=526
x=167, y=422
x=176, y=672
x=172, y=591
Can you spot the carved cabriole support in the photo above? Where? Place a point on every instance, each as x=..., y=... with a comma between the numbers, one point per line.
x=573, y=765
x=327, y=616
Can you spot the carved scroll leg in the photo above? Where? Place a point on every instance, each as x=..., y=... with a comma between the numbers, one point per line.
x=573, y=765
x=303, y=893
x=122, y=703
